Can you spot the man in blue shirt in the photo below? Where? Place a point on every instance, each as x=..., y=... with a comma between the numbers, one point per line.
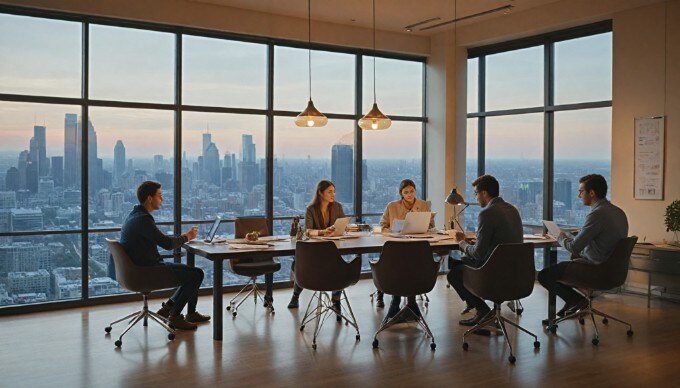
x=605, y=226
x=140, y=237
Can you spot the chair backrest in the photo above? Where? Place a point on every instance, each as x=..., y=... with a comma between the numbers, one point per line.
x=319, y=267
x=609, y=274
x=138, y=278
x=245, y=225
x=405, y=268
x=508, y=274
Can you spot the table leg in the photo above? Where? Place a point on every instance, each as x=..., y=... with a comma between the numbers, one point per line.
x=217, y=300
x=549, y=260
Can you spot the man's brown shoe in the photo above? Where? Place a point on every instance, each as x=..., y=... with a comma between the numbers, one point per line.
x=197, y=317
x=164, y=311
x=179, y=323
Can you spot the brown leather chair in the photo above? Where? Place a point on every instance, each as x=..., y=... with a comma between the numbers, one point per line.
x=143, y=280
x=405, y=269
x=508, y=274
x=320, y=268
x=251, y=267
x=589, y=277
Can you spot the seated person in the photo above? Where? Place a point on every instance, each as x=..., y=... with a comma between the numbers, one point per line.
x=605, y=226
x=321, y=214
x=498, y=222
x=396, y=210
x=140, y=238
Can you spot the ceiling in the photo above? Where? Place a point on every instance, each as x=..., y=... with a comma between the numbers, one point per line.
x=391, y=15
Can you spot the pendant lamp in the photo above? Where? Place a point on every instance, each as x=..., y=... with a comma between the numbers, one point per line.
x=374, y=119
x=310, y=117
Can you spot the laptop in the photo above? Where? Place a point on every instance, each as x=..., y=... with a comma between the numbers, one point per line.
x=553, y=229
x=213, y=230
x=416, y=223
x=340, y=226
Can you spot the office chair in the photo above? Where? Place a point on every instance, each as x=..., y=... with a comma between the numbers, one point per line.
x=405, y=269
x=251, y=267
x=320, y=268
x=508, y=274
x=142, y=280
x=589, y=277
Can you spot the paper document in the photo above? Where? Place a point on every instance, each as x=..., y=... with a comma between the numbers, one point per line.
x=553, y=229
x=248, y=246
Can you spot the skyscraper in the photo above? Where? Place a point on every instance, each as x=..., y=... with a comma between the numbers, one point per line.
x=248, y=170
x=211, y=165
x=247, y=149
x=12, y=179
x=342, y=172
x=22, y=165
x=57, y=170
x=118, y=161
x=71, y=151
x=563, y=192
x=207, y=139
x=157, y=163
x=94, y=167
x=39, y=150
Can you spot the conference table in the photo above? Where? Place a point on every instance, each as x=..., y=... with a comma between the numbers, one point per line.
x=355, y=244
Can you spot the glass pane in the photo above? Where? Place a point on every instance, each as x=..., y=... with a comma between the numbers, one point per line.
x=125, y=148
x=514, y=149
x=583, y=69
x=514, y=79
x=575, y=158
x=333, y=80
x=128, y=64
x=36, y=269
x=40, y=56
x=217, y=72
x=304, y=156
x=399, y=86
x=39, y=167
x=389, y=157
x=224, y=169
x=469, y=218
x=472, y=85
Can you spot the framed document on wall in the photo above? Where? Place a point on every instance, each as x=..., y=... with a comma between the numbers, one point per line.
x=649, y=157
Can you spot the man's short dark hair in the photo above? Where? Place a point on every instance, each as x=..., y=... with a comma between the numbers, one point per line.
x=487, y=183
x=147, y=189
x=595, y=182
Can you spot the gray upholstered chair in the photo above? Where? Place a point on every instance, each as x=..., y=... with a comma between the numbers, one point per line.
x=142, y=280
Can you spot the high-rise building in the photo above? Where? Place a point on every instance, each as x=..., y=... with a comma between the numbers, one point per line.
x=207, y=139
x=71, y=151
x=211, y=165
x=26, y=219
x=31, y=176
x=247, y=149
x=22, y=163
x=342, y=172
x=8, y=200
x=563, y=192
x=12, y=179
x=118, y=161
x=528, y=191
x=57, y=170
x=94, y=167
x=38, y=150
x=157, y=163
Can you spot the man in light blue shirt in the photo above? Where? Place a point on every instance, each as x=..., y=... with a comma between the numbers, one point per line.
x=605, y=226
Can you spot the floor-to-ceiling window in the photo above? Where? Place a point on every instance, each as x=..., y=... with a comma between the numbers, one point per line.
x=90, y=107
x=539, y=118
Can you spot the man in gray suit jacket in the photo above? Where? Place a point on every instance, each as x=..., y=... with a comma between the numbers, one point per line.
x=498, y=223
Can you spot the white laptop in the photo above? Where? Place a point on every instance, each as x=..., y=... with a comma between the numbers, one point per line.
x=213, y=230
x=340, y=226
x=553, y=229
x=416, y=223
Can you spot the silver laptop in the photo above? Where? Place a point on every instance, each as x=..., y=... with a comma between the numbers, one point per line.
x=213, y=230
x=553, y=229
x=416, y=223
x=340, y=226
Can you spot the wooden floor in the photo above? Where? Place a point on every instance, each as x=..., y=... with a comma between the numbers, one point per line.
x=70, y=349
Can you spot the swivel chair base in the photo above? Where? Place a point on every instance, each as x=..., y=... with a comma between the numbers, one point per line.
x=142, y=315
x=324, y=308
x=402, y=316
x=252, y=289
x=495, y=317
x=590, y=310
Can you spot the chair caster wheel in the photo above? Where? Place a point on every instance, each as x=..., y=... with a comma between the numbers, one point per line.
x=314, y=346
x=630, y=333
x=427, y=304
x=433, y=346
x=107, y=329
x=302, y=327
x=118, y=343
x=448, y=285
x=375, y=344
x=581, y=320
x=553, y=329
x=170, y=325
x=272, y=311
x=465, y=346
x=595, y=341
x=338, y=319
x=512, y=359
x=228, y=308
x=233, y=314
x=537, y=345
x=171, y=336
x=605, y=321
x=358, y=337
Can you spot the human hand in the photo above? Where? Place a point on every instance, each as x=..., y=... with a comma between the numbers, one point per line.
x=192, y=233
x=460, y=236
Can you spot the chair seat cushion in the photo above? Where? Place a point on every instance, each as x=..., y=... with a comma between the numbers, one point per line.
x=256, y=268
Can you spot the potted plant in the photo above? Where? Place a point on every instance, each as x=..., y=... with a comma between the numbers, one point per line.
x=673, y=220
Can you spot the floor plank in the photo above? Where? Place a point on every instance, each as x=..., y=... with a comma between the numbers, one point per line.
x=70, y=348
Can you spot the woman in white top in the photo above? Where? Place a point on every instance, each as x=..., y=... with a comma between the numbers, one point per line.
x=397, y=210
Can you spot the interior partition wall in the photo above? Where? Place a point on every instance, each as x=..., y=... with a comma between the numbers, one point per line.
x=92, y=106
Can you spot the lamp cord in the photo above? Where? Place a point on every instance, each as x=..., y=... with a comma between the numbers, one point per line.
x=309, y=45
x=374, y=93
